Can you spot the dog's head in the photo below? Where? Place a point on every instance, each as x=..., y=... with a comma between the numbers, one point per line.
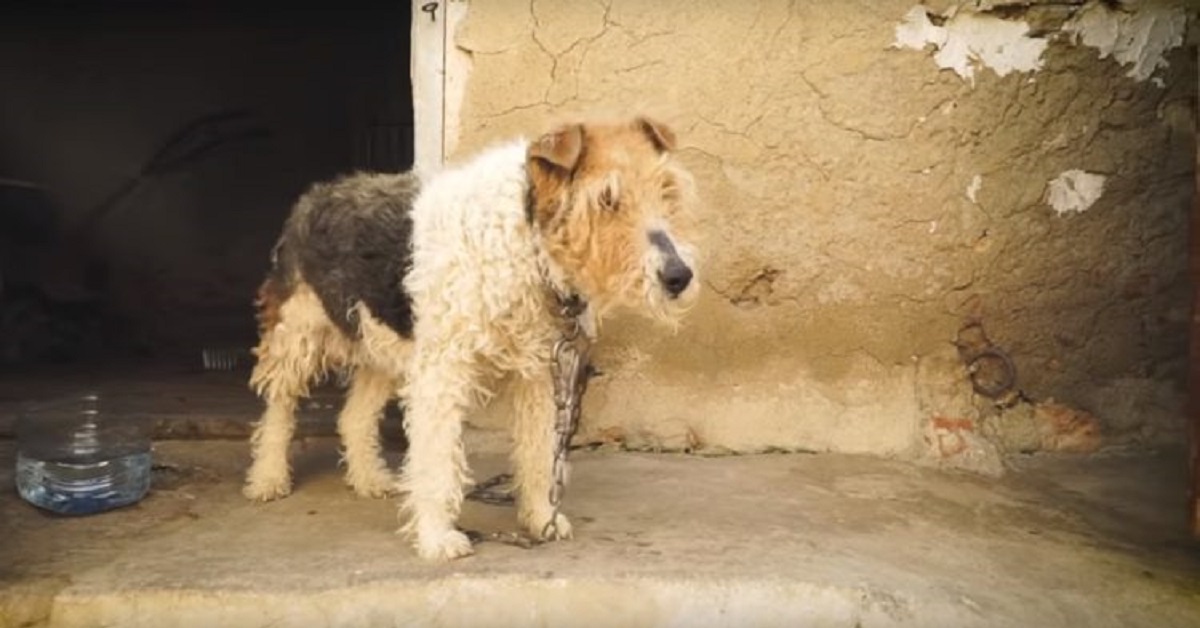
x=614, y=210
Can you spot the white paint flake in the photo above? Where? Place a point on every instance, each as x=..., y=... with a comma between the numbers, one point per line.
x=915, y=31
x=973, y=189
x=968, y=40
x=1074, y=191
x=1139, y=35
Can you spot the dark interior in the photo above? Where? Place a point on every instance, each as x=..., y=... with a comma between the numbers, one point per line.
x=149, y=152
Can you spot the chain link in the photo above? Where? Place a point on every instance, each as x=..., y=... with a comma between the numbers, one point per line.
x=497, y=491
x=569, y=373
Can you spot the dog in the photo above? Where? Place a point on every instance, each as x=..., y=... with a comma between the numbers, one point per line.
x=440, y=289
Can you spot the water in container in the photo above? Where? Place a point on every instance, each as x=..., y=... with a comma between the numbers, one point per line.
x=79, y=456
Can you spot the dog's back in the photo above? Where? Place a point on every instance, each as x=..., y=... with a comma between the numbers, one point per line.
x=349, y=240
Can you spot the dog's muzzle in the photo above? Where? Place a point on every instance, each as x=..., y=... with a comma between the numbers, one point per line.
x=675, y=275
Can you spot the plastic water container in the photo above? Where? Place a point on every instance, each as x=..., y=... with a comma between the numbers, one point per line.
x=78, y=457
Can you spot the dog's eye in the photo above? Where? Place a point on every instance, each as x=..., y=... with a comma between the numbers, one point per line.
x=608, y=199
x=670, y=192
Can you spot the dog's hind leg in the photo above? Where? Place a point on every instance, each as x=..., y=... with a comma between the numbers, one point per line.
x=358, y=426
x=534, y=440
x=270, y=475
x=290, y=357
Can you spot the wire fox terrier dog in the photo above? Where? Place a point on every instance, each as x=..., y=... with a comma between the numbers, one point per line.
x=440, y=289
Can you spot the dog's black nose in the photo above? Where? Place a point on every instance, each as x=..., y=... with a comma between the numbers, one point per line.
x=675, y=277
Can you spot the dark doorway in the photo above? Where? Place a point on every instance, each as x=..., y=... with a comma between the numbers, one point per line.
x=149, y=152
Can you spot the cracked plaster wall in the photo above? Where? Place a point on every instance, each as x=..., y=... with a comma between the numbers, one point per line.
x=860, y=204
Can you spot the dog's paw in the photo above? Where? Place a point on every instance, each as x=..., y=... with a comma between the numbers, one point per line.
x=543, y=531
x=373, y=483
x=447, y=545
x=263, y=489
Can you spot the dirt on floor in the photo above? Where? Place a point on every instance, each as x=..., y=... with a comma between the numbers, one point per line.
x=667, y=539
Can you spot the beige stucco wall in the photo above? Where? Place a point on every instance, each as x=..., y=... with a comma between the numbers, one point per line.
x=843, y=250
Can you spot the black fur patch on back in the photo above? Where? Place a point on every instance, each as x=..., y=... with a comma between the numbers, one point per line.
x=349, y=239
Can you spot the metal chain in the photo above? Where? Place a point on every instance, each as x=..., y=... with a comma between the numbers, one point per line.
x=569, y=373
x=497, y=491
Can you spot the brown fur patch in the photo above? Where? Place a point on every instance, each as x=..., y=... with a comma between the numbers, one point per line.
x=270, y=298
x=595, y=210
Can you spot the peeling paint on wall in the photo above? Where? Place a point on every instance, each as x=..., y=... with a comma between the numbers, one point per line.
x=1138, y=34
x=1140, y=38
x=969, y=39
x=973, y=189
x=1074, y=191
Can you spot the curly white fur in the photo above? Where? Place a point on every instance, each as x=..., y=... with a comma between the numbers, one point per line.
x=481, y=310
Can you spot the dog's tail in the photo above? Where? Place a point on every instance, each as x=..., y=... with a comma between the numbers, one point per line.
x=273, y=292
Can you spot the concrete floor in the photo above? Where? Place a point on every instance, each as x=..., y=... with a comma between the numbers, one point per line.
x=662, y=540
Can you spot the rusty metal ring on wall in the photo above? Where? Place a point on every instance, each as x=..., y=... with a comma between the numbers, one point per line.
x=1010, y=371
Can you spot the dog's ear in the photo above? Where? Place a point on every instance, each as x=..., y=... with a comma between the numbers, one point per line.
x=660, y=135
x=551, y=162
x=559, y=149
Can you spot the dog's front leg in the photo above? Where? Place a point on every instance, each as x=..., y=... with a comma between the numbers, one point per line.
x=435, y=468
x=534, y=441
